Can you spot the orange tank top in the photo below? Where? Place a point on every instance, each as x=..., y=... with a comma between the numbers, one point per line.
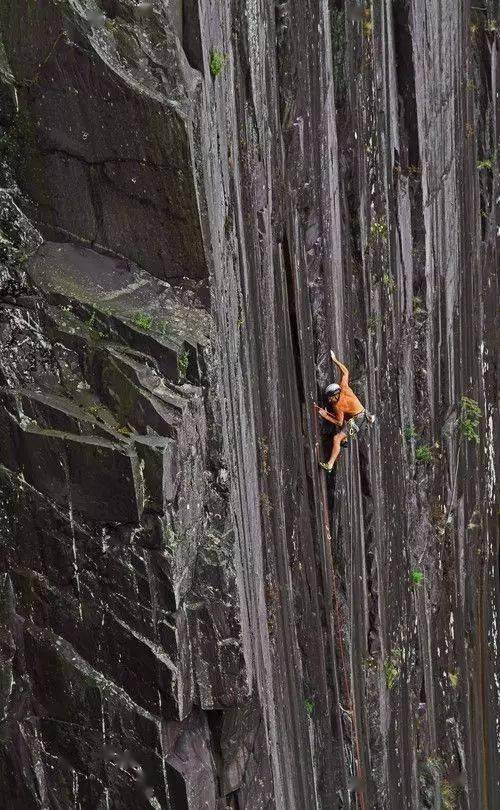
x=348, y=404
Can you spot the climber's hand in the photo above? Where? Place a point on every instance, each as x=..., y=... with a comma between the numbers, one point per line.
x=323, y=412
x=332, y=355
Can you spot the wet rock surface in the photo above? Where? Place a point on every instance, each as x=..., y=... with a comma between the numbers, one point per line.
x=198, y=199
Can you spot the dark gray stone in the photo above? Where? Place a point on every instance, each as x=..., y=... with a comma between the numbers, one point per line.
x=159, y=456
x=106, y=150
x=307, y=175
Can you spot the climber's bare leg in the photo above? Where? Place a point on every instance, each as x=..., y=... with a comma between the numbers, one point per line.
x=337, y=442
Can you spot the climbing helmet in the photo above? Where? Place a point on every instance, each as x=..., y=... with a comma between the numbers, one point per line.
x=332, y=389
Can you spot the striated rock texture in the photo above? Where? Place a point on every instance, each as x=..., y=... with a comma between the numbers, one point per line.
x=198, y=198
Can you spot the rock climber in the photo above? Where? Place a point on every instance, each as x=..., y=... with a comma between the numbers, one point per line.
x=344, y=410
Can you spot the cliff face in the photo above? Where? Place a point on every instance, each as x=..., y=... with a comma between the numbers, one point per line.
x=198, y=200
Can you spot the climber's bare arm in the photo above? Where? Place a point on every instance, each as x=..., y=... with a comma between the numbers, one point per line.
x=344, y=371
x=335, y=420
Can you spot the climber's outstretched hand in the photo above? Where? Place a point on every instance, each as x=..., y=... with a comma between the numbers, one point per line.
x=344, y=380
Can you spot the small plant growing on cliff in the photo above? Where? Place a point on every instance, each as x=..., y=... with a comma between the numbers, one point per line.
x=90, y=320
x=182, y=364
x=448, y=795
x=389, y=282
x=367, y=28
x=123, y=430
x=410, y=433
x=424, y=454
x=309, y=706
x=392, y=668
x=143, y=321
x=163, y=328
x=374, y=321
x=110, y=25
x=438, y=516
x=418, y=306
x=475, y=521
x=470, y=414
x=432, y=777
x=486, y=164
x=417, y=576
x=217, y=62
x=378, y=229
x=94, y=410
x=414, y=170
x=391, y=674
x=171, y=541
x=369, y=664
x=367, y=22
x=453, y=676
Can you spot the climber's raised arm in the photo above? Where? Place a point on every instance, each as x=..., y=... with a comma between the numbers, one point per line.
x=344, y=371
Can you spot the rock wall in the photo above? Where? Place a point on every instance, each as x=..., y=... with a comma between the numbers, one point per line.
x=198, y=200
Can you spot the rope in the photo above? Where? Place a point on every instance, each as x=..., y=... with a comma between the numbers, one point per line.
x=326, y=520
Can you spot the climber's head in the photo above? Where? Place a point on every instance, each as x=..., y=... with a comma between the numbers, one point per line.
x=332, y=392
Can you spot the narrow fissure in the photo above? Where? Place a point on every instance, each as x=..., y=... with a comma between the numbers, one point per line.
x=191, y=35
x=176, y=789
x=292, y=313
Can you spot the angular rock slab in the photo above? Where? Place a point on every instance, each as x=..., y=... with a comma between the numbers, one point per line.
x=91, y=476
x=126, y=186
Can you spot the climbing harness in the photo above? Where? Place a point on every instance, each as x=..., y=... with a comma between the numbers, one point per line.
x=353, y=426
